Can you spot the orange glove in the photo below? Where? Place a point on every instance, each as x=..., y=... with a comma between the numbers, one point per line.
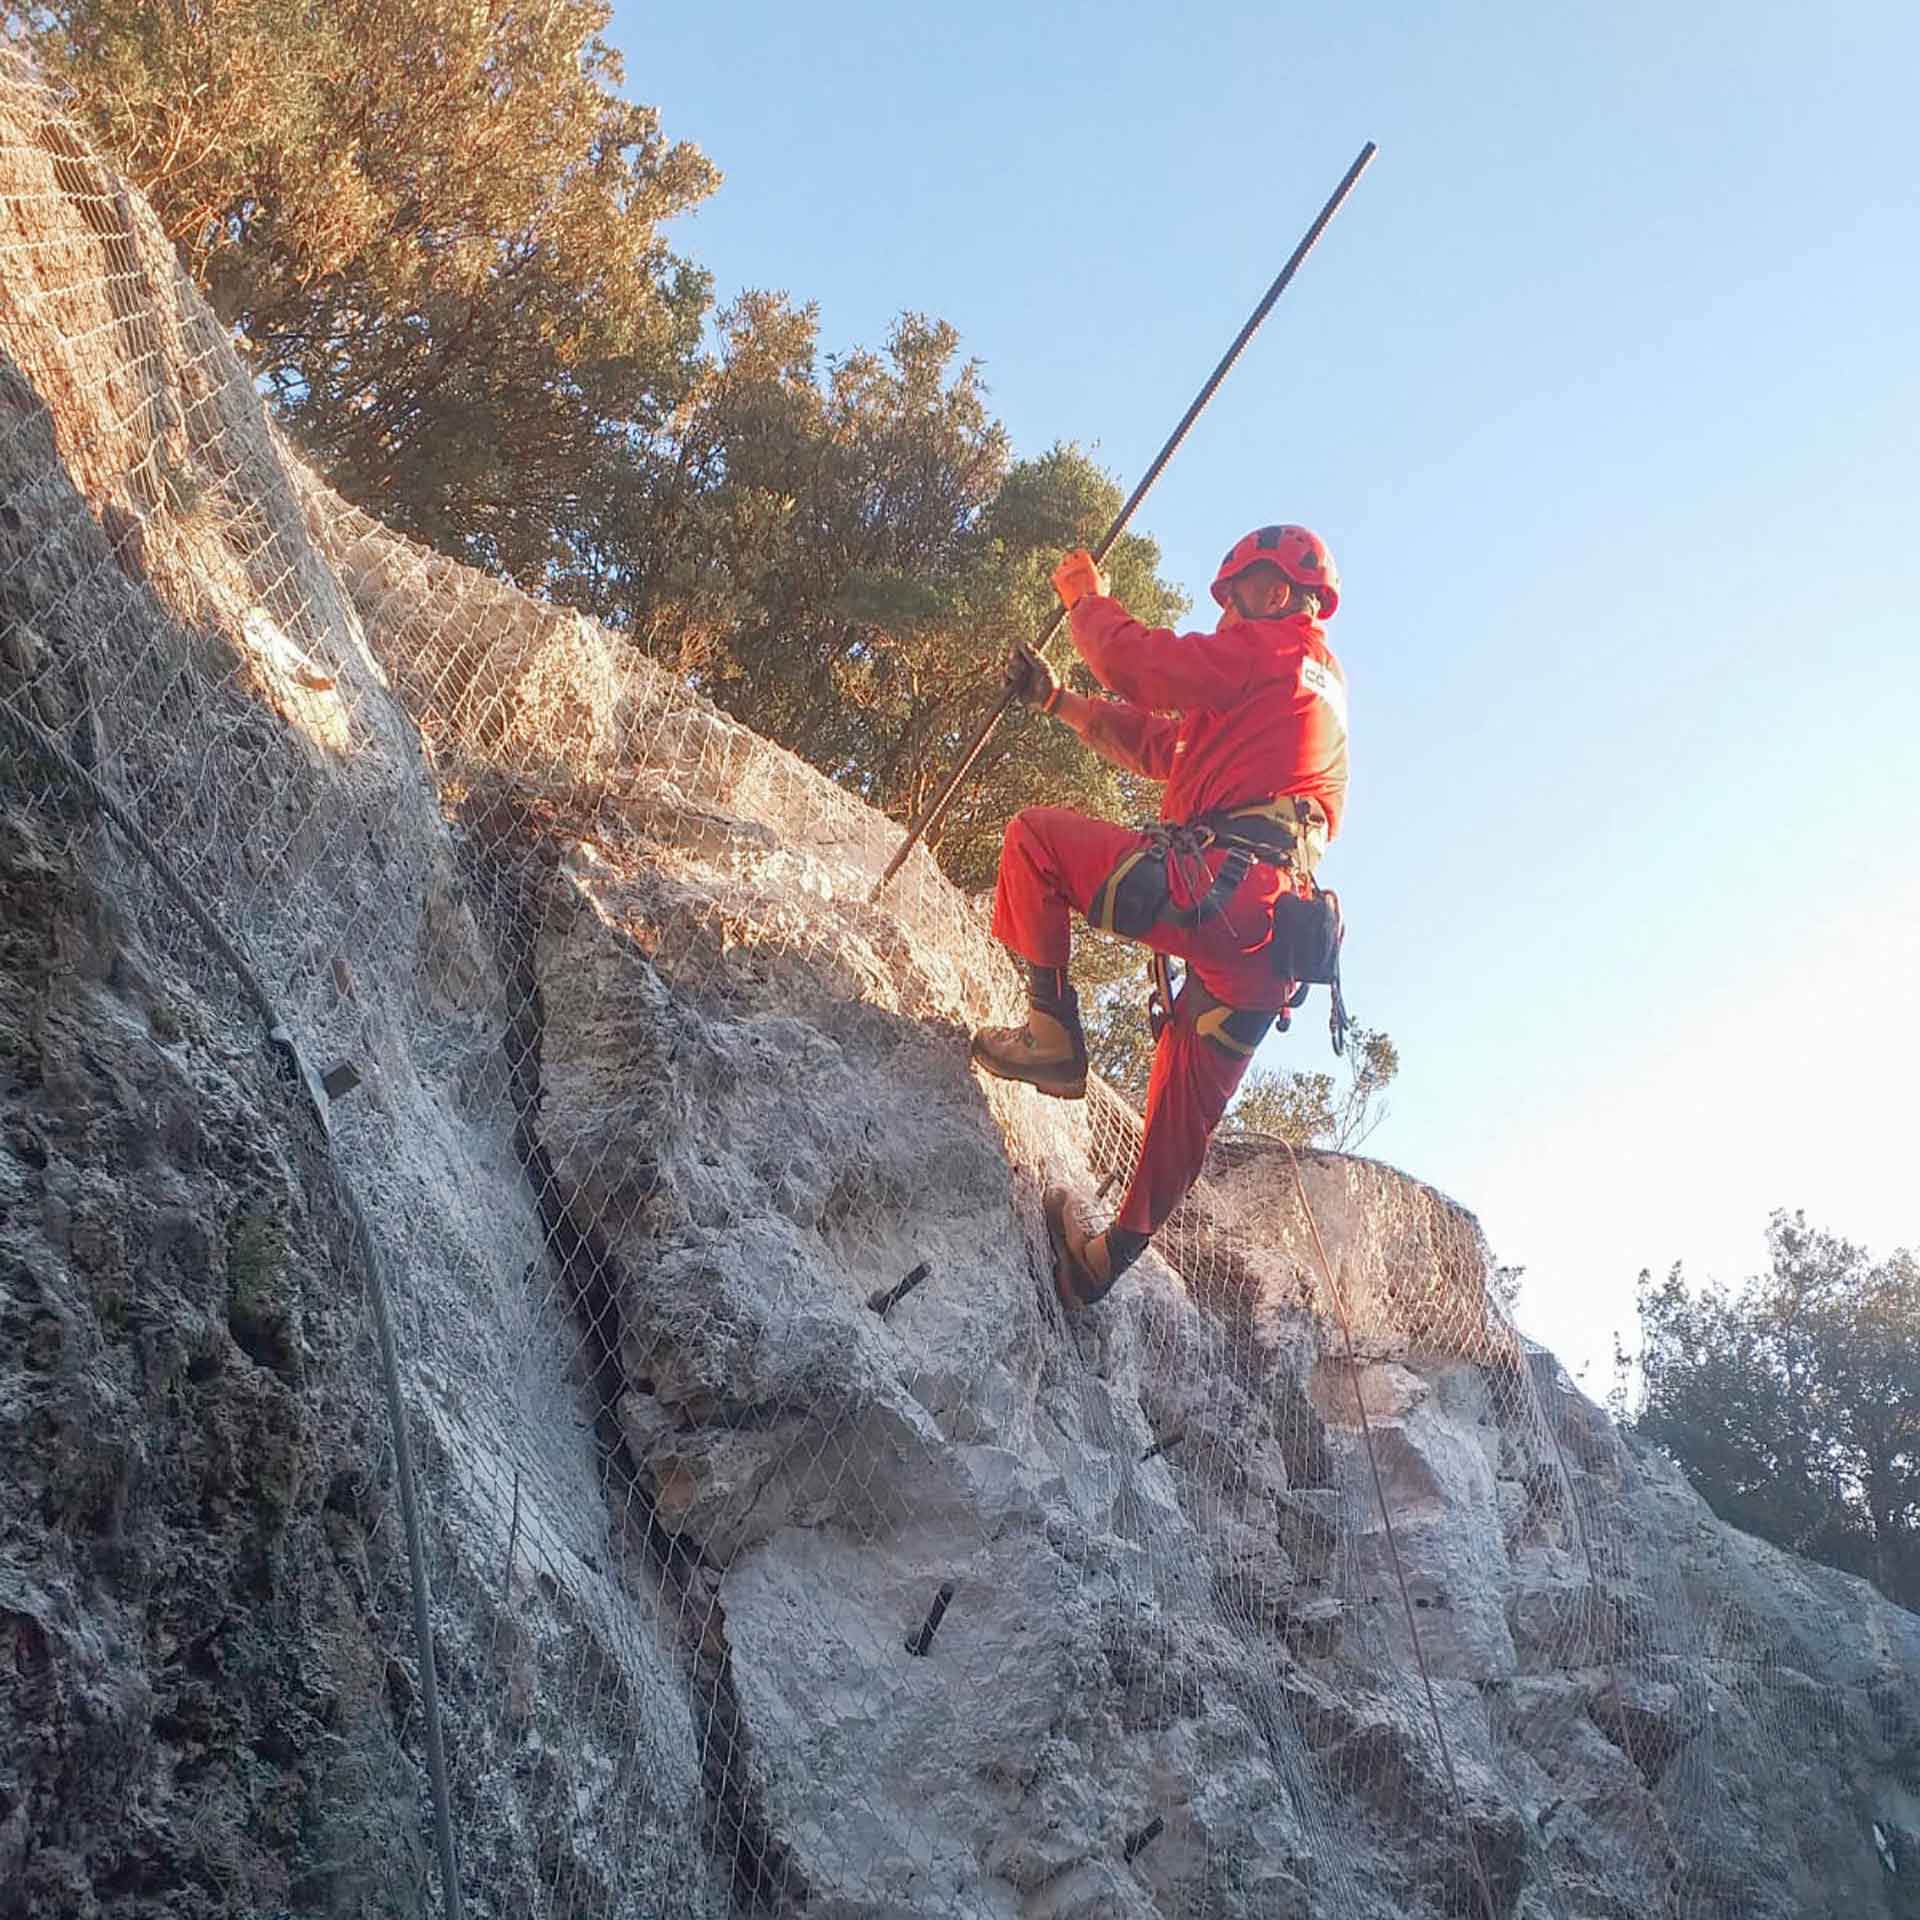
x=1076, y=576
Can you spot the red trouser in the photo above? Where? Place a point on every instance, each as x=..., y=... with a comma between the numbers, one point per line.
x=1054, y=863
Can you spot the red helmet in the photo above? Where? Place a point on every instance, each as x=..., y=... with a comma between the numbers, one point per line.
x=1302, y=556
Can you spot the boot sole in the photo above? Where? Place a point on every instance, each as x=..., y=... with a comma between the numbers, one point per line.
x=1078, y=1091
x=1054, y=1090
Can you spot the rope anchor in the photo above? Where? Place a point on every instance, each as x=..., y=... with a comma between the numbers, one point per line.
x=919, y=1643
x=883, y=1299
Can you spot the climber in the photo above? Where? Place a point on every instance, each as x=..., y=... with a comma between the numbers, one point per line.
x=1247, y=727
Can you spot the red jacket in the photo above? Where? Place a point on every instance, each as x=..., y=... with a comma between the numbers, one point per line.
x=1226, y=719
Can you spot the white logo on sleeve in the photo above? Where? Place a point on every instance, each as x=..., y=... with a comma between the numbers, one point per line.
x=1317, y=677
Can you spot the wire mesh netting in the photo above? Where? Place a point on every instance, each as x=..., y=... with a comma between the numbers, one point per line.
x=787, y=1549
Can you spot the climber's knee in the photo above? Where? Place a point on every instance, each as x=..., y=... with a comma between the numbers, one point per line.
x=1021, y=835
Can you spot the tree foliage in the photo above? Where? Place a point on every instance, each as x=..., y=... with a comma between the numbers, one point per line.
x=1794, y=1402
x=434, y=225
x=1319, y=1109
x=436, y=229
x=841, y=551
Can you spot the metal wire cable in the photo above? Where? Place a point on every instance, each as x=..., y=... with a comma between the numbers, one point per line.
x=55, y=757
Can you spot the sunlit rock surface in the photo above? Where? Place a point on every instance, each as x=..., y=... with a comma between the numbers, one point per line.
x=1292, y=1582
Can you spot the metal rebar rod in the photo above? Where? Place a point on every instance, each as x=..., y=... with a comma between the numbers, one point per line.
x=937, y=807
x=920, y=1644
x=887, y=1298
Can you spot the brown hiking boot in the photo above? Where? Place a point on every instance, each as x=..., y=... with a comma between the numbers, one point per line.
x=1082, y=1267
x=1049, y=1053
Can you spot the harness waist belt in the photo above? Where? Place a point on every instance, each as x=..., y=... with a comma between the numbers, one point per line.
x=1289, y=832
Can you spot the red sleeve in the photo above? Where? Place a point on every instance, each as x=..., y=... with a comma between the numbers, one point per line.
x=1155, y=668
x=1129, y=736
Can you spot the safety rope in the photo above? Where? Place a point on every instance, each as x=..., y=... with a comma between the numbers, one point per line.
x=57, y=759
x=1393, y=1546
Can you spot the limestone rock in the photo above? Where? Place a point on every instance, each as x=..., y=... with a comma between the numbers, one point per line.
x=1290, y=1582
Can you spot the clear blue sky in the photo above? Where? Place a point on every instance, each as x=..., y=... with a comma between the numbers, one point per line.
x=1605, y=389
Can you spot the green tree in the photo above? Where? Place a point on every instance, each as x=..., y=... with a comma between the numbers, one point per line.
x=841, y=552
x=1793, y=1403
x=433, y=224
x=1318, y=1109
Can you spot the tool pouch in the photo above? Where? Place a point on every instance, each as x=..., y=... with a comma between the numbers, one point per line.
x=1307, y=932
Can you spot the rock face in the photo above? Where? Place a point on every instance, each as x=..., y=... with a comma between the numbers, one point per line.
x=195, y=1546
x=1292, y=1582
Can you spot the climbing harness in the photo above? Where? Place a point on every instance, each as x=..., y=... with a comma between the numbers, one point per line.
x=1289, y=833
